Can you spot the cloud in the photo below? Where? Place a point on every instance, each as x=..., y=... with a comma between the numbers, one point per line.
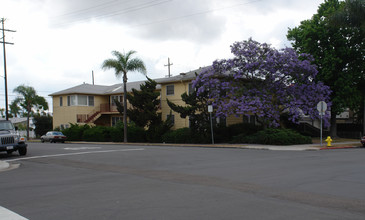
x=149, y=19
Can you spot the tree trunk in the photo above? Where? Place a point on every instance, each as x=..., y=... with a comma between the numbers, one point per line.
x=333, y=129
x=125, y=106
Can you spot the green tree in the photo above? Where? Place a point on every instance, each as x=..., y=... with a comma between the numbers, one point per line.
x=43, y=123
x=30, y=101
x=352, y=14
x=145, y=104
x=338, y=53
x=122, y=65
x=196, y=108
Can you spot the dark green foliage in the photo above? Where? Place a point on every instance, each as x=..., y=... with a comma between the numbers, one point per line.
x=273, y=137
x=339, y=53
x=75, y=132
x=136, y=134
x=104, y=134
x=196, y=109
x=145, y=104
x=223, y=134
x=43, y=124
x=116, y=133
x=154, y=133
x=184, y=136
x=97, y=134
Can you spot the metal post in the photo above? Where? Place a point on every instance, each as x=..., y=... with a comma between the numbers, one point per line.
x=321, y=127
x=211, y=127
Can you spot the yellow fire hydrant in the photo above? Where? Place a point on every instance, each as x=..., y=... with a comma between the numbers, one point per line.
x=329, y=140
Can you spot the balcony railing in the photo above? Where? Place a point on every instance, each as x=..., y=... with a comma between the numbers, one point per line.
x=102, y=108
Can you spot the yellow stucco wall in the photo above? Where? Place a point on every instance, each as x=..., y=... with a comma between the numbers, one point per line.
x=63, y=115
x=179, y=88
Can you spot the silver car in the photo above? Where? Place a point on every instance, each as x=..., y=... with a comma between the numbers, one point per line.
x=54, y=136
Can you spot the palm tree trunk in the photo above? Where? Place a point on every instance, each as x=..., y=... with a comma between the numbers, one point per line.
x=125, y=107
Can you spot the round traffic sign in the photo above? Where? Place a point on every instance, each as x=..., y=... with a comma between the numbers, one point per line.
x=322, y=106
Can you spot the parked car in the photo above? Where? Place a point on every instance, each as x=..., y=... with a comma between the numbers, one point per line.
x=54, y=136
x=363, y=141
x=10, y=140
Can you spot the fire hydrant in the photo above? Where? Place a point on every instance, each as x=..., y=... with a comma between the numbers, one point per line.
x=328, y=140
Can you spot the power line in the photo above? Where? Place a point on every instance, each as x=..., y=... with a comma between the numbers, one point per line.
x=136, y=8
x=119, y=12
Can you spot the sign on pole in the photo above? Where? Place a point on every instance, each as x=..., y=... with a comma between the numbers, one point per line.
x=321, y=107
x=210, y=110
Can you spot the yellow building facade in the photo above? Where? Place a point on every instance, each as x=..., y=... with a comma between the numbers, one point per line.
x=94, y=104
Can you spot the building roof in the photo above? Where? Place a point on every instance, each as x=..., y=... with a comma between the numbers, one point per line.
x=86, y=88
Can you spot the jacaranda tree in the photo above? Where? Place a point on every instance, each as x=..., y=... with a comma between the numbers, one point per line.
x=264, y=81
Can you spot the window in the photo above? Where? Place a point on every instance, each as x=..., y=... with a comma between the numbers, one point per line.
x=80, y=100
x=61, y=101
x=119, y=98
x=170, y=90
x=191, y=90
x=71, y=100
x=115, y=120
x=91, y=100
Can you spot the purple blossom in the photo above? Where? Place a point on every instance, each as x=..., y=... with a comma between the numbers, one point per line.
x=264, y=81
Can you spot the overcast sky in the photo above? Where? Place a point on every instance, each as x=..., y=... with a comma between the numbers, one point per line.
x=58, y=43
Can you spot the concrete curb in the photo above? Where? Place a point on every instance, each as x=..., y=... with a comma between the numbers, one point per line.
x=4, y=165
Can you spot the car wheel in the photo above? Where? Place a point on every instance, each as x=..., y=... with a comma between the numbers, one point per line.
x=42, y=140
x=22, y=151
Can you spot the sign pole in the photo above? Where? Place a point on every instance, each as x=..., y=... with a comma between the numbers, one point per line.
x=321, y=107
x=210, y=110
x=321, y=127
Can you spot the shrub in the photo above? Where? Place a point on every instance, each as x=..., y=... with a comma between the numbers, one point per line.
x=273, y=137
x=226, y=134
x=184, y=136
x=98, y=134
x=134, y=133
x=75, y=132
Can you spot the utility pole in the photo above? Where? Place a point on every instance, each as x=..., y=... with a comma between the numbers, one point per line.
x=5, y=77
x=168, y=65
x=92, y=72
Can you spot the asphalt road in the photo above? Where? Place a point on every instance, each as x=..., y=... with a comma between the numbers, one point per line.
x=83, y=181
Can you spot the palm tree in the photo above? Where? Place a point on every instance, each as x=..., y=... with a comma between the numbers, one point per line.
x=14, y=109
x=28, y=100
x=122, y=65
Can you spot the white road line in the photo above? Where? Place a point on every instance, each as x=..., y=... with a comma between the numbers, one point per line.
x=81, y=148
x=70, y=154
x=9, y=215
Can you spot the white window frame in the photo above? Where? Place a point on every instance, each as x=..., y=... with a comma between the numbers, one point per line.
x=73, y=100
x=173, y=89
